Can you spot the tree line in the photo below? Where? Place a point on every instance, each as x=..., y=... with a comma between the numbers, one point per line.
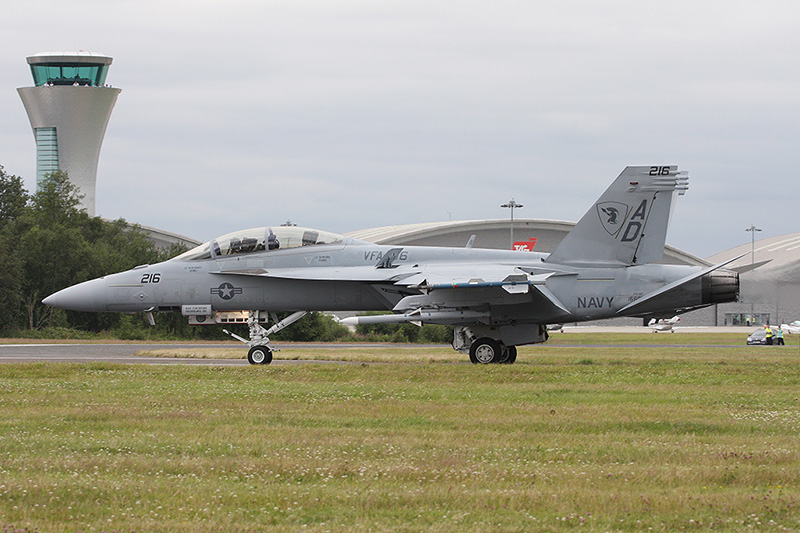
x=49, y=242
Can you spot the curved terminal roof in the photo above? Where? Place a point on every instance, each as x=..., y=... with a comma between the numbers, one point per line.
x=781, y=254
x=495, y=234
x=770, y=278
x=69, y=68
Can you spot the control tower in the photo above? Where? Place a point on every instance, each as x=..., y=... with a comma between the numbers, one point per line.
x=69, y=107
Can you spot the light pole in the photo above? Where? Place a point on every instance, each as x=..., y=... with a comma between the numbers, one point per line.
x=752, y=229
x=512, y=204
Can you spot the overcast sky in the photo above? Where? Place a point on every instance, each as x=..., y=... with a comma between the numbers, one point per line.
x=345, y=115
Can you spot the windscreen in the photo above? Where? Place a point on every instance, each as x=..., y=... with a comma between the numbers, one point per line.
x=259, y=240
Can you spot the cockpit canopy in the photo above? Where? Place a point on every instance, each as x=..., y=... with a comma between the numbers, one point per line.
x=258, y=240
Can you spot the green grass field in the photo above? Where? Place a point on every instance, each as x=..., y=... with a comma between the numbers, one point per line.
x=602, y=437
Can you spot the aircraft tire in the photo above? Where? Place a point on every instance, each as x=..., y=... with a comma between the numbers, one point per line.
x=259, y=355
x=510, y=355
x=485, y=351
x=503, y=354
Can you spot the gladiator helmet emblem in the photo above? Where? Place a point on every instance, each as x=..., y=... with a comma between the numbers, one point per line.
x=612, y=214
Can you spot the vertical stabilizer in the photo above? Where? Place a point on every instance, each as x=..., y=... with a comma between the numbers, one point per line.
x=628, y=223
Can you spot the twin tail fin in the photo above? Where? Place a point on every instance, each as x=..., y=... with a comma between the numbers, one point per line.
x=628, y=224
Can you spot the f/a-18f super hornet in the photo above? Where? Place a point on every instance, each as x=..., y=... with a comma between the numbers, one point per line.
x=607, y=266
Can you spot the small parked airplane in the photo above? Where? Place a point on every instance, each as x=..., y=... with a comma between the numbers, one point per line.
x=793, y=328
x=607, y=266
x=664, y=324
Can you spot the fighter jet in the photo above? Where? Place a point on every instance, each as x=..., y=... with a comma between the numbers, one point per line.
x=607, y=266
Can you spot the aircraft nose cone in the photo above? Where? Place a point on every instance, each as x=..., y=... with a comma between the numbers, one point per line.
x=86, y=296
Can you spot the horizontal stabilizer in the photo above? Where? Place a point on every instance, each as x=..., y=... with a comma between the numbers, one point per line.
x=632, y=308
x=749, y=268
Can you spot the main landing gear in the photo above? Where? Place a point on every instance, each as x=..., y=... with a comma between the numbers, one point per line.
x=484, y=349
x=260, y=348
x=487, y=351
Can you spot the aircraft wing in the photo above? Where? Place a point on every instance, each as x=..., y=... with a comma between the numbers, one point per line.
x=425, y=277
x=454, y=286
x=455, y=276
x=346, y=273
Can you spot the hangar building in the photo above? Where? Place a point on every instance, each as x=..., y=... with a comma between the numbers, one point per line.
x=494, y=234
x=771, y=292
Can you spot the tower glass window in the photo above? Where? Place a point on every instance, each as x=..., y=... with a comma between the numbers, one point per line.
x=46, y=152
x=69, y=73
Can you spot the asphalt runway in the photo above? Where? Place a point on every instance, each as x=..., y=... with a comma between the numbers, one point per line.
x=124, y=353
x=109, y=353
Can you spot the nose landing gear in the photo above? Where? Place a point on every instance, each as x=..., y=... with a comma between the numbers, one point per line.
x=260, y=347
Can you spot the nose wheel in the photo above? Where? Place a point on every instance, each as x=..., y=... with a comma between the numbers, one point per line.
x=259, y=355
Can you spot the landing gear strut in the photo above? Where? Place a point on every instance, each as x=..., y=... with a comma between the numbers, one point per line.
x=260, y=348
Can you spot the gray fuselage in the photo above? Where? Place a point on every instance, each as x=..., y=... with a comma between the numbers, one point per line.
x=341, y=277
